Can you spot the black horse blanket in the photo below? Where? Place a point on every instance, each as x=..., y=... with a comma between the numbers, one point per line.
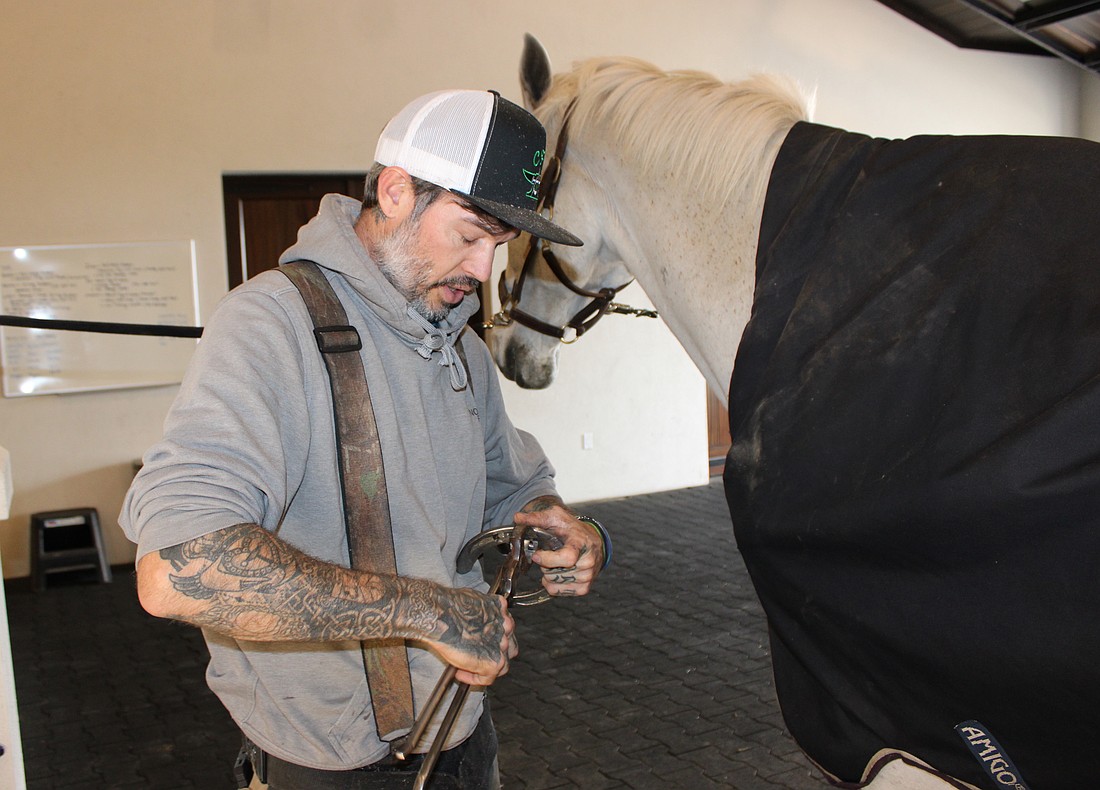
x=915, y=471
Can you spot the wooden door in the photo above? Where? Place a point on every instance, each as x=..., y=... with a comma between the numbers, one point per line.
x=718, y=433
x=263, y=214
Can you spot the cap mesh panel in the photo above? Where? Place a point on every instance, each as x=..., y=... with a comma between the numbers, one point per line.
x=452, y=129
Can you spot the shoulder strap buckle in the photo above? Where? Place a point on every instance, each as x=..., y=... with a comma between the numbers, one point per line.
x=337, y=339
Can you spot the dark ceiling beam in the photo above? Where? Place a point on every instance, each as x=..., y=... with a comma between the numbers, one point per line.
x=1051, y=45
x=964, y=26
x=1030, y=18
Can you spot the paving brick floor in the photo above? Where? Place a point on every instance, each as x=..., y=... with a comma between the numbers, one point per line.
x=659, y=679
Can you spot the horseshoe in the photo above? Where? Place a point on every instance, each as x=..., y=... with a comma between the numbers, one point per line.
x=500, y=538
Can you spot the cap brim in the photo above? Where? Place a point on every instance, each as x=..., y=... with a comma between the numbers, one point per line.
x=526, y=220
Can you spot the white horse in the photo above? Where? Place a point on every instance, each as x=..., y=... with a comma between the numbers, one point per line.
x=926, y=555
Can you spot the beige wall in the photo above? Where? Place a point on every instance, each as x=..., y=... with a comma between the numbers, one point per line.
x=1090, y=107
x=120, y=117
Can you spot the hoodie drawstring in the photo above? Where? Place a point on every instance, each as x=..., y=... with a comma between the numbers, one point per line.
x=435, y=339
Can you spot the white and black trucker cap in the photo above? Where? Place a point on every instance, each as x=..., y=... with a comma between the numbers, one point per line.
x=480, y=146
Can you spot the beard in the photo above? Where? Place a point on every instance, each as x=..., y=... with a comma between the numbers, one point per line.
x=409, y=272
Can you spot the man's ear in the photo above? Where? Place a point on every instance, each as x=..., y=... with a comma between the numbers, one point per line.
x=395, y=193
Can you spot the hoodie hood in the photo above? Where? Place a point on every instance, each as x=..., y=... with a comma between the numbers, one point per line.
x=329, y=240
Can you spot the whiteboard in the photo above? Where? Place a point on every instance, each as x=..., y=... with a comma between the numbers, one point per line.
x=138, y=283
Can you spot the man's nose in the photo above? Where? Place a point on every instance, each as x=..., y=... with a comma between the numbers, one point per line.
x=480, y=264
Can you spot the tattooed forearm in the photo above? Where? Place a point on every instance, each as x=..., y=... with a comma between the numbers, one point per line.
x=245, y=582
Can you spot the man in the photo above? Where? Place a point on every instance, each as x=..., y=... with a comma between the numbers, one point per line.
x=237, y=511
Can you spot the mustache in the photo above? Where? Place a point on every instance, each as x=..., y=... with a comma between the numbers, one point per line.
x=459, y=282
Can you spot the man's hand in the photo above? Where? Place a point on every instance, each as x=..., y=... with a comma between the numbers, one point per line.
x=571, y=569
x=476, y=635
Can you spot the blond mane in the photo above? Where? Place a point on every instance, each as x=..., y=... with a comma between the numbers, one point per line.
x=715, y=135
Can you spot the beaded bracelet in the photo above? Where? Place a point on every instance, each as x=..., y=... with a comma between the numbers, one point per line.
x=603, y=536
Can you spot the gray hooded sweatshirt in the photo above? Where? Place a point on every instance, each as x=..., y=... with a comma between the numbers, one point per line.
x=250, y=439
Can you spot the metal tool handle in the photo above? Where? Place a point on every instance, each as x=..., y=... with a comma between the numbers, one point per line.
x=505, y=584
x=445, y=727
x=402, y=749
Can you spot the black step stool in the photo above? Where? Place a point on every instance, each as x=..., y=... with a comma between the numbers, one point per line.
x=67, y=540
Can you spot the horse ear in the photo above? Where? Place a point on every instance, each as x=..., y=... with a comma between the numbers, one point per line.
x=534, y=71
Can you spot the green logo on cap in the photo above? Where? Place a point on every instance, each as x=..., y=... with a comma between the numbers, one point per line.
x=533, y=176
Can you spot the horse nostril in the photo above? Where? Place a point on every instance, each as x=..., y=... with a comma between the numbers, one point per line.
x=527, y=369
x=535, y=380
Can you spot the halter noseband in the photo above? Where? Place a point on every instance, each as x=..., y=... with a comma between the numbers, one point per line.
x=601, y=301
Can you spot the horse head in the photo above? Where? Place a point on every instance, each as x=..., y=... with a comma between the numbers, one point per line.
x=662, y=174
x=564, y=290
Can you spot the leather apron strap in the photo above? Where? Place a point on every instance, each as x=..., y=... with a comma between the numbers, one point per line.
x=363, y=480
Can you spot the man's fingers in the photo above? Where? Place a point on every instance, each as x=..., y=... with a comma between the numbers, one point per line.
x=480, y=679
x=566, y=557
x=565, y=582
x=561, y=575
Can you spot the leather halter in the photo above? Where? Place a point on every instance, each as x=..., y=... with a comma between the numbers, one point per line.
x=601, y=301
